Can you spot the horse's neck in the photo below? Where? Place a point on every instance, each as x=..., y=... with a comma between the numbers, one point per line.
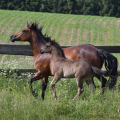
x=56, y=54
x=37, y=43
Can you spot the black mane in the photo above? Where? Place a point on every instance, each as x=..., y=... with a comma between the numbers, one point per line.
x=39, y=29
x=58, y=46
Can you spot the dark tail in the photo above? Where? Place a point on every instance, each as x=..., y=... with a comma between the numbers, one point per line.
x=101, y=72
x=111, y=63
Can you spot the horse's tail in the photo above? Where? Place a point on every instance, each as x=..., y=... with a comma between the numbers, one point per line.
x=101, y=72
x=110, y=63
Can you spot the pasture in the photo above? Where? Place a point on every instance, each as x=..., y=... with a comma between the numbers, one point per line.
x=66, y=29
x=16, y=101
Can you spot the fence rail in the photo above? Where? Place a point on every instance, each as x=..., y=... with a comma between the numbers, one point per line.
x=20, y=49
x=17, y=49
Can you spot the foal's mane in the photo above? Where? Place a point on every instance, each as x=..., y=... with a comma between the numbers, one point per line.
x=57, y=46
x=39, y=29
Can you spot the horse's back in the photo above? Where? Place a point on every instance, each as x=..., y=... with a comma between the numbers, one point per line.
x=85, y=51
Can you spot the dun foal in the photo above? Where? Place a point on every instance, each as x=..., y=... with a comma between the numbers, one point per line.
x=62, y=67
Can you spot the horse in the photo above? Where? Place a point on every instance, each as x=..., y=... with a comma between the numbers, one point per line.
x=33, y=34
x=62, y=67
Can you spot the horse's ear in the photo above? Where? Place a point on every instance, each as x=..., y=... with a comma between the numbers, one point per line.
x=28, y=25
x=32, y=25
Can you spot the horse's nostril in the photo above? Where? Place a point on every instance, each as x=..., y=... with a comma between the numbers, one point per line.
x=11, y=37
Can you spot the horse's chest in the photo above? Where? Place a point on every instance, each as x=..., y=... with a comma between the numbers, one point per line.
x=42, y=65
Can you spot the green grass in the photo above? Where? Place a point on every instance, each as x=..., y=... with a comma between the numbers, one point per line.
x=66, y=29
x=16, y=101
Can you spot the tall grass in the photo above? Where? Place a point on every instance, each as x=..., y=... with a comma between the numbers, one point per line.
x=16, y=101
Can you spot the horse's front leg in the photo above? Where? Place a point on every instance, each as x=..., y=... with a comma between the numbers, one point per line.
x=55, y=80
x=37, y=76
x=44, y=86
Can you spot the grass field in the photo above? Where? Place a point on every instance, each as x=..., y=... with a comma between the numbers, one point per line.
x=16, y=101
x=66, y=29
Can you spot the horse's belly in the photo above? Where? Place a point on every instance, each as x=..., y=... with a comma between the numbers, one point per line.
x=69, y=75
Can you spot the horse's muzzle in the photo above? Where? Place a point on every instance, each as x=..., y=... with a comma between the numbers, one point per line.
x=14, y=38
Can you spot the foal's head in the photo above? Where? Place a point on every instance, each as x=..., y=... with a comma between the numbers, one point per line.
x=52, y=46
x=46, y=49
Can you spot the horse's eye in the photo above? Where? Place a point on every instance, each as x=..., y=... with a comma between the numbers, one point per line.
x=24, y=30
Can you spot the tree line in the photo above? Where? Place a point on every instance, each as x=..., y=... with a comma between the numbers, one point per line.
x=82, y=7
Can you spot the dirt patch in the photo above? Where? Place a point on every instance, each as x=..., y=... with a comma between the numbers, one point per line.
x=73, y=22
x=86, y=23
x=110, y=22
x=49, y=30
x=117, y=22
x=10, y=27
x=68, y=21
x=63, y=33
x=69, y=39
x=104, y=24
x=96, y=42
x=84, y=36
x=2, y=41
x=77, y=34
x=104, y=37
x=90, y=37
x=98, y=22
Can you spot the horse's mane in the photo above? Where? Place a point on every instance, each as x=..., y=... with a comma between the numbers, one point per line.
x=39, y=29
x=58, y=46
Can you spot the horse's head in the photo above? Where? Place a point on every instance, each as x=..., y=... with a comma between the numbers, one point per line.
x=46, y=49
x=24, y=35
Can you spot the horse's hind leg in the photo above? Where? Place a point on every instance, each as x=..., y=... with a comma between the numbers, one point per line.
x=103, y=81
x=44, y=86
x=80, y=88
x=89, y=82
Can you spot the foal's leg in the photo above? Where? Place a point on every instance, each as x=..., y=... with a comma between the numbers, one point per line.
x=89, y=82
x=80, y=87
x=37, y=76
x=44, y=86
x=55, y=80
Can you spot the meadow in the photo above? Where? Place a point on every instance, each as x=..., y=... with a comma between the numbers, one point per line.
x=16, y=101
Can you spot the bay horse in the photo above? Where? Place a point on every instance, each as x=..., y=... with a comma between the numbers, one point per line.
x=33, y=34
x=61, y=67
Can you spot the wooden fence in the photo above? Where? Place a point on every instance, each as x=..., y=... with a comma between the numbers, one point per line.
x=20, y=49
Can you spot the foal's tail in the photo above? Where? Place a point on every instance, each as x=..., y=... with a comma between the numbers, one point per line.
x=101, y=72
x=110, y=63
